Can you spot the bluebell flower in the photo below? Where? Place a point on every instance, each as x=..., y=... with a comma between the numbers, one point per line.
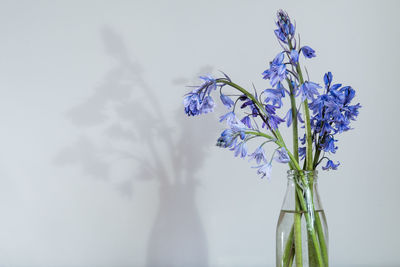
x=331, y=165
x=207, y=105
x=240, y=129
x=230, y=118
x=241, y=149
x=285, y=28
x=294, y=56
x=264, y=170
x=277, y=70
x=275, y=96
x=303, y=140
x=226, y=139
x=351, y=112
x=226, y=100
x=192, y=104
x=328, y=79
x=302, y=152
x=209, y=83
x=199, y=100
x=308, y=52
x=258, y=155
x=246, y=121
x=348, y=93
x=288, y=117
x=274, y=121
x=329, y=145
x=308, y=90
x=282, y=156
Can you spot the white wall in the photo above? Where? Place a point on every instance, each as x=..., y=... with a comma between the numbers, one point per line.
x=100, y=167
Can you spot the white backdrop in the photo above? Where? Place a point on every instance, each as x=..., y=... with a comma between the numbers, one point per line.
x=100, y=167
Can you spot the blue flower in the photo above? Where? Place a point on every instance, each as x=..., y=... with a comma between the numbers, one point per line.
x=207, y=105
x=329, y=145
x=328, y=79
x=308, y=90
x=294, y=56
x=331, y=165
x=277, y=70
x=264, y=170
x=226, y=101
x=302, y=152
x=199, y=100
x=230, y=118
x=282, y=156
x=303, y=140
x=308, y=52
x=209, y=83
x=274, y=121
x=246, y=121
x=275, y=96
x=192, y=104
x=288, y=117
x=226, y=139
x=241, y=149
x=258, y=155
x=285, y=28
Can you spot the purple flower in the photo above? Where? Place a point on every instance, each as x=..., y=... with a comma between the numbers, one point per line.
x=275, y=96
x=282, y=156
x=277, y=70
x=308, y=90
x=288, y=117
x=285, y=28
x=264, y=170
x=230, y=118
x=241, y=149
x=199, y=100
x=258, y=155
x=209, y=83
x=329, y=145
x=207, y=105
x=328, y=79
x=308, y=52
x=294, y=56
x=226, y=139
x=274, y=121
x=226, y=101
x=192, y=104
x=331, y=165
x=302, y=152
x=246, y=121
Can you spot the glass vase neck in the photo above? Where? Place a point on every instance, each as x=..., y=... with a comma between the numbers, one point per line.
x=308, y=175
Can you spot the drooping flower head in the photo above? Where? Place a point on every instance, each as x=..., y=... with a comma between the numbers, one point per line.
x=330, y=165
x=199, y=100
x=258, y=155
x=308, y=52
x=264, y=170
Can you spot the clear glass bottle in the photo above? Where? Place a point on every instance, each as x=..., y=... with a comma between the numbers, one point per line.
x=302, y=231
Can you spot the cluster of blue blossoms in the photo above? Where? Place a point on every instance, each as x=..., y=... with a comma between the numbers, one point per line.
x=332, y=111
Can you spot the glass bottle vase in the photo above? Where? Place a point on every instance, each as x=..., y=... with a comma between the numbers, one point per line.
x=302, y=231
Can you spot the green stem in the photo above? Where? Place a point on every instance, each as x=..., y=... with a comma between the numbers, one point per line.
x=294, y=121
x=321, y=238
x=297, y=232
x=309, y=209
x=289, y=249
x=280, y=142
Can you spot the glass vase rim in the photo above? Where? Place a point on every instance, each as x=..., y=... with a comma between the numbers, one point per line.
x=291, y=173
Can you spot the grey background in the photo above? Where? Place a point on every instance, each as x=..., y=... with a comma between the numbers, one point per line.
x=100, y=167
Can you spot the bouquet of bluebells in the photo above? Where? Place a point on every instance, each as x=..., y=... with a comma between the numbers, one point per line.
x=317, y=115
